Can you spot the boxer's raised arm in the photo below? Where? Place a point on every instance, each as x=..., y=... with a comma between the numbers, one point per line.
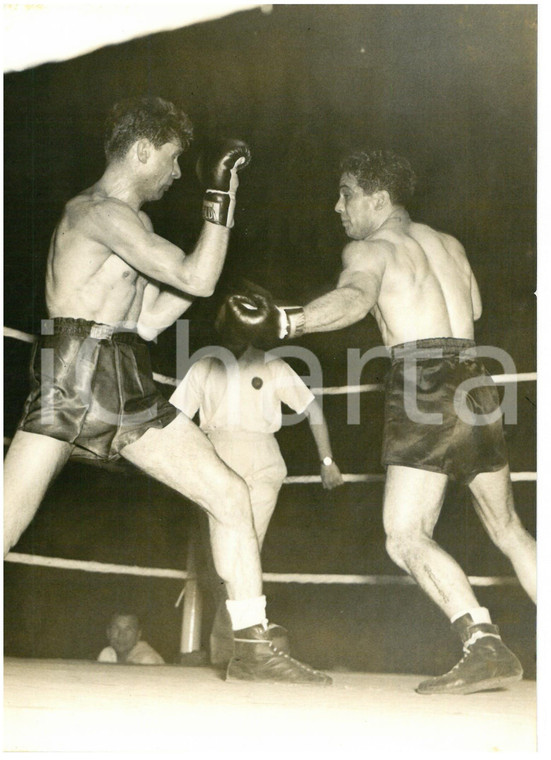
x=160, y=309
x=118, y=227
x=129, y=234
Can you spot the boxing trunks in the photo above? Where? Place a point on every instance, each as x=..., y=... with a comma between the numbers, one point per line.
x=430, y=410
x=92, y=387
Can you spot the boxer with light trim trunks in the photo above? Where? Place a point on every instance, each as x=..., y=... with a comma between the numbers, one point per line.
x=112, y=284
x=92, y=386
x=418, y=285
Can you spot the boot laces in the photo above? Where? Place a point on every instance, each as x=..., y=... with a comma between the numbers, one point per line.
x=301, y=665
x=466, y=653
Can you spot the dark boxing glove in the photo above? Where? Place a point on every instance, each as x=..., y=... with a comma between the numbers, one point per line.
x=217, y=170
x=259, y=321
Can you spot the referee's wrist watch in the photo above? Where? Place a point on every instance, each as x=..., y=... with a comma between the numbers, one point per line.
x=326, y=461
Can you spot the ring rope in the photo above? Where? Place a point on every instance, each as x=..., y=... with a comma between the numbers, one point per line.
x=380, y=478
x=311, y=578
x=510, y=377
x=9, y=332
x=91, y=566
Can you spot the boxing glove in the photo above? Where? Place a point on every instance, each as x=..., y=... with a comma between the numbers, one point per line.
x=217, y=169
x=261, y=321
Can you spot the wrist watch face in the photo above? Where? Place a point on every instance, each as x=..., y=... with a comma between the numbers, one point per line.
x=327, y=461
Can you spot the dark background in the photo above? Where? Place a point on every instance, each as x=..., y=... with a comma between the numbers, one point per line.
x=451, y=87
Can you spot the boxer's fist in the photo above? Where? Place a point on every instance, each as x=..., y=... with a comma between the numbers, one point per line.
x=219, y=161
x=257, y=316
x=254, y=317
x=217, y=169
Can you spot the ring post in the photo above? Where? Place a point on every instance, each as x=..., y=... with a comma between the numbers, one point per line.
x=190, y=640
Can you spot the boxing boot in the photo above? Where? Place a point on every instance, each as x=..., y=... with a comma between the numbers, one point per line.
x=221, y=638
x=256, y=658
x=486, y=663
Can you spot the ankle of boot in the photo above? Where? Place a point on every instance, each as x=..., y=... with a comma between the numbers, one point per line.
x=465, y=628
x=252, y=633
x=252, y=650
x=477, y=631
x=483, y=631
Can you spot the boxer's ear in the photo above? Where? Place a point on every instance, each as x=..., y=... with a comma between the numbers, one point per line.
x=143, y=150
x=381, y=199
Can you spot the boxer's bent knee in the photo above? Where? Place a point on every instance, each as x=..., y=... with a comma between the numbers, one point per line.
x=396, y=551
x=505, y=530
x=402, y=547
x=230, y=505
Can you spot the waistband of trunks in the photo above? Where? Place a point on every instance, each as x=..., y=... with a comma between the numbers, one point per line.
x=84, y=328
x=434, y=348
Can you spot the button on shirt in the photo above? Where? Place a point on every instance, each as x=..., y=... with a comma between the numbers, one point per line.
x=241, y=394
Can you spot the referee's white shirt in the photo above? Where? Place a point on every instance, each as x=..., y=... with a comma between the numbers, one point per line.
x=242, y=394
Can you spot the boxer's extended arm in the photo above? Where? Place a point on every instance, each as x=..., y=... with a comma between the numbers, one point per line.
x=356, y=293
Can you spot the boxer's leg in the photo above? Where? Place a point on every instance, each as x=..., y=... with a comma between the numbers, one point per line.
x=263, y=503
x=412, y=502
x=31, y=464
x=182, y=457
x=494, y=503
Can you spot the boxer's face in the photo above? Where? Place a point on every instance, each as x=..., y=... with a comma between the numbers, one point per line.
x=123, y=633
x=163, y=169
x=356, y=208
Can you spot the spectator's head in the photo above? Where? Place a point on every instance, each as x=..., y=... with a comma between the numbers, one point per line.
x=123, y=633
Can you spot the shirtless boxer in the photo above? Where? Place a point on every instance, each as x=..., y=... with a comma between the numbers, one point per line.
x=92, y=388
x=419, y=286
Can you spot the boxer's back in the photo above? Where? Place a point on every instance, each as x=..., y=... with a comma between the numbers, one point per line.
x=426, y=287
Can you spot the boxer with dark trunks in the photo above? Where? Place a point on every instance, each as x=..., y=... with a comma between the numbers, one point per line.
x=453, y=446
x=112, y=284
x=440, y=404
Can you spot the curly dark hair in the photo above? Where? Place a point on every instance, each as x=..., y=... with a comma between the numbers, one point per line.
x=156, y=119
x=382, y=170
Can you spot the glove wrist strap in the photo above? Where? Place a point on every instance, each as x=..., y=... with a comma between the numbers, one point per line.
x=218, y=207
x=293, y=319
